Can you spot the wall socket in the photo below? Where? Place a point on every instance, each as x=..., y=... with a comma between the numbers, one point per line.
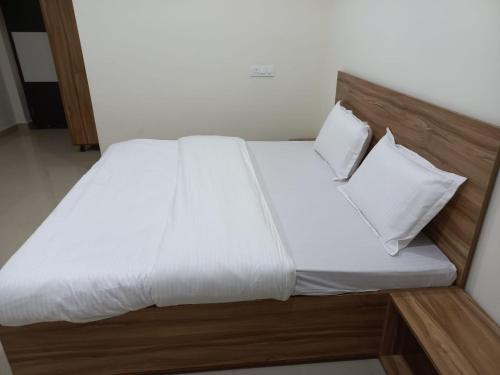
x=262, y=70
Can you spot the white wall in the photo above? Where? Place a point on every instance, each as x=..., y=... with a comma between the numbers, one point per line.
x=169, y=68
x=443, y=51
x=35, y=56
x=13, y=107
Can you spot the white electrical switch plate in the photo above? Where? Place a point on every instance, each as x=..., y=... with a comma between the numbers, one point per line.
x=262, y=71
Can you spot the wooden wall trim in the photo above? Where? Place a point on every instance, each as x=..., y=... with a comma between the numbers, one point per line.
x=450, y=141
x=60, y=23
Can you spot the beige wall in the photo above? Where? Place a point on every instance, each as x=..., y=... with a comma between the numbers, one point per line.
x=169, y=68
x=443, y=51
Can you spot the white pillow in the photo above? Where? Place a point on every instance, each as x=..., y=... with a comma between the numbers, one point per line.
x=397, y=192
x=343, y=141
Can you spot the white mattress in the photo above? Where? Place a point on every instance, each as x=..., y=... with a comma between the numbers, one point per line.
x=333, y=248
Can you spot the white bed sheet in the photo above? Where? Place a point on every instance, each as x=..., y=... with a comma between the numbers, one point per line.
x=333, y=248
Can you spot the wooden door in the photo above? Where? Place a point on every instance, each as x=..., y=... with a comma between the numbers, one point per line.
x=60, y=22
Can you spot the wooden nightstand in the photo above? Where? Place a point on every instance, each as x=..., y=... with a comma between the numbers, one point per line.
x=439, y=331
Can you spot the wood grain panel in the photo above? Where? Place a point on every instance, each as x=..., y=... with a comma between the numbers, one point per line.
x=400, y=353
x=455, y=333
x=203, y=337
x=450, y=141
x=60, y=23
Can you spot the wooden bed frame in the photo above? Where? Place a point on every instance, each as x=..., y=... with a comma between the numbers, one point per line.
x=303, y=329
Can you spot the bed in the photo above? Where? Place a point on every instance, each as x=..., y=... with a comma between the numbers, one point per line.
x=321, y=321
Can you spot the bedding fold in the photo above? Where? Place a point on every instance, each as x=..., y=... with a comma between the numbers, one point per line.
x=222, y=244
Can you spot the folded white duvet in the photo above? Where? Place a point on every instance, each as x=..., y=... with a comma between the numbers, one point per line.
x=132, y=234
x=222, y=244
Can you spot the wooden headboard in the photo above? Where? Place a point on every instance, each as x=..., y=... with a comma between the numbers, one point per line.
x=451, y=142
